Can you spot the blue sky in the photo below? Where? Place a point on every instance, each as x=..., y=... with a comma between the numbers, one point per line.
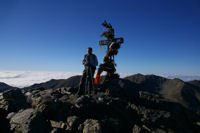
x=161, y=36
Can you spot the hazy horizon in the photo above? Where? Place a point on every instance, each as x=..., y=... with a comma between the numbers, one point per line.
x=26, y=78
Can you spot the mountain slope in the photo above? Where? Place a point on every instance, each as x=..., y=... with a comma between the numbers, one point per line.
x=176, y=90
x=4, y=87
x=173, y=89
x=150, y=83
x=53, y=84
x=195, y=83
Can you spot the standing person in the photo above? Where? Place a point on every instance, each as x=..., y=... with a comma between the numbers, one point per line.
x=90, y=62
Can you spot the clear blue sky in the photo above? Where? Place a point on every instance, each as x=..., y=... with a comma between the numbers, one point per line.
x=161, y=36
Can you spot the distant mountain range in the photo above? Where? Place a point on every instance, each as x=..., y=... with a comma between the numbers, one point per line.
x=23, y=79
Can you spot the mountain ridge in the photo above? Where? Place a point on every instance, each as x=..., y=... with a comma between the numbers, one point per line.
x=118, y=105
x=176, y=90
x=4, y=86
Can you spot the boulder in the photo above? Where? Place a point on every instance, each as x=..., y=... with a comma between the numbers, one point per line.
x=59, y=125
x=72, y=123
x=54, y=110
x=28, y=121
x=68, y=90
x=13, y=100
x=92, y=126
x=4, y=122
x=141, y=129
x=47, y=103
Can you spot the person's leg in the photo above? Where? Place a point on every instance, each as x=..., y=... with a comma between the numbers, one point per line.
x=82, y=82
x=91, y=80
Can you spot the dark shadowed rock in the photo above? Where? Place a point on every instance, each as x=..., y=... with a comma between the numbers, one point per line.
x=195, y=83
x=67, y=90
x=111, y=125
x=4, y=87
x=72, y=123
x=120, y=88
x=46, y=102
x=141, y=129
x=28, y=121
x=13, y=100
x=92, y=126
x=4, y=122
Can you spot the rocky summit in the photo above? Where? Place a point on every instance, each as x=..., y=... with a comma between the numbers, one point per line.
x=135, y=104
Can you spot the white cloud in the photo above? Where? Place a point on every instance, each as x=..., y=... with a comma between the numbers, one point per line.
x=26, y=78
x=184, y=77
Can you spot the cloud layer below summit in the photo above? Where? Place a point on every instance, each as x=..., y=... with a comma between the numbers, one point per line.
x=26, y=78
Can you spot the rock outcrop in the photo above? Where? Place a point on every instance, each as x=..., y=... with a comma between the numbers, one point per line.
x=28, y=121
x=13, y=100
x=120, y=105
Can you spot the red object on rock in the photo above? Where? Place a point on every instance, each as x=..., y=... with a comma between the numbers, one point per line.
x=97, y=79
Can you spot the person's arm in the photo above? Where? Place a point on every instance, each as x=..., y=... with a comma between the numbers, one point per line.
x=84, y=60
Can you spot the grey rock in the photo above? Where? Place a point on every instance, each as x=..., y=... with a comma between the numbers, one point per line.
x=72, y=123
x=141, y=129
x=136, y=129
x=28, y=121
x=92, y=126
x=56, y=124
x=13, y=100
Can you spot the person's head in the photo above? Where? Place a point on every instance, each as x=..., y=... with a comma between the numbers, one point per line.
x=89, y=50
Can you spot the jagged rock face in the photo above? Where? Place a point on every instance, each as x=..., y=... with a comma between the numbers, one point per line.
x=116, y=106
x=28, y=121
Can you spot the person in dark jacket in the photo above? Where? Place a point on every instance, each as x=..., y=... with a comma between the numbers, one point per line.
x=90, y=62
